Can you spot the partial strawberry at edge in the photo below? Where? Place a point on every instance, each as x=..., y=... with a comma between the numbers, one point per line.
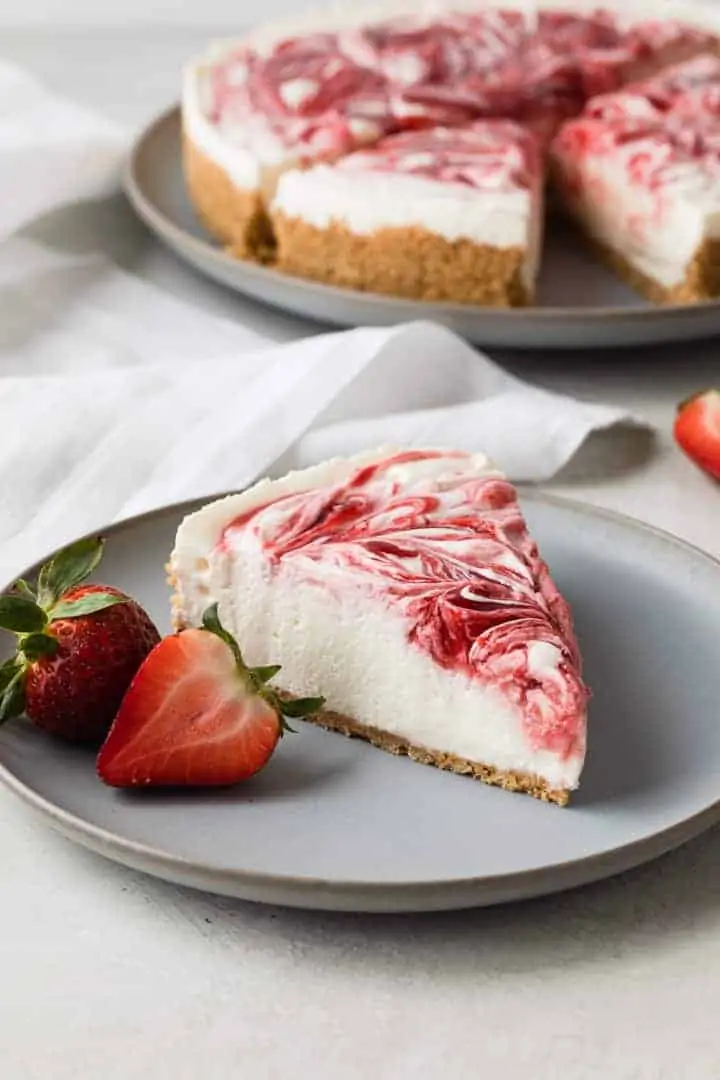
x=78, y=647
x=697, y=430
x=196, y=715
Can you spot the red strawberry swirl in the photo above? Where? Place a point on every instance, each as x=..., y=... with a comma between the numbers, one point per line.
x=490, y=154
x=307, y=91
x=452, y=556
x=336, y=90
x=412, y=51
x=679, y=88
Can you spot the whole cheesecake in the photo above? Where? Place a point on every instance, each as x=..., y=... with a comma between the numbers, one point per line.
x=402, y=586
x=325, y=145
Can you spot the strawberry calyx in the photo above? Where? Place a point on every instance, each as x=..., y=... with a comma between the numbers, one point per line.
x=256, y=679
x=29, y=610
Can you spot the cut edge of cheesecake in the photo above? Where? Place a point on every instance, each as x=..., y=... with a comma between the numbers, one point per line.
x=356, y=224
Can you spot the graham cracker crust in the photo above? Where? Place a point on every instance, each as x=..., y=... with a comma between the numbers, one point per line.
x=702, y=281
x=524, y=783
x=411, y=262
x=234, y=216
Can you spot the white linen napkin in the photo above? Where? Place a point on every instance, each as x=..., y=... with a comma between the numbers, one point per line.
x=116, y=398
x=51, y=150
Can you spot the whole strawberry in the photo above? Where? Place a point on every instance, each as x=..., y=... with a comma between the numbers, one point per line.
x=78, y=647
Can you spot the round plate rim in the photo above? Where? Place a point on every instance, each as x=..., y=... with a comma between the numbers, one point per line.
x=309, y=891
x=162, y=225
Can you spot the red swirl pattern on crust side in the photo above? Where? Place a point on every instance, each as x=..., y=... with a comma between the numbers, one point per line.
x=451, y=553
x=326, y=93
x=495, y=155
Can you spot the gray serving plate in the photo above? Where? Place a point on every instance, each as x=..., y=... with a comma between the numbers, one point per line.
x=333, y=823
x=581, y=305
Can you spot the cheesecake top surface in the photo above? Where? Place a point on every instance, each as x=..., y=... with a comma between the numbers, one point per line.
x=330, y=85
x=496, y=155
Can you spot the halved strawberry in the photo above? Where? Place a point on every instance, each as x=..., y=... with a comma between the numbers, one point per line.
x=697, y=430
x=196, y=714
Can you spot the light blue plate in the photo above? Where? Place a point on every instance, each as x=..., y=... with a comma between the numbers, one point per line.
x=333, y=823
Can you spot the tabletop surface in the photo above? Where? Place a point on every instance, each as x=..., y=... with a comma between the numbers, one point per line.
x=110, y=974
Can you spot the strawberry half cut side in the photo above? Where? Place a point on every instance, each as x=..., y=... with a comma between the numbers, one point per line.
x=77, y=646
x=196, y=714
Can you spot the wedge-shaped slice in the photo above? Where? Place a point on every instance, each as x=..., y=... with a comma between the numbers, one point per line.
x=404, y=588
x=440, y=214
x=647, y=194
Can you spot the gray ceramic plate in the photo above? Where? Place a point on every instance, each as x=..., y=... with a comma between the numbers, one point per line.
x=581, y=304
x=332, y=823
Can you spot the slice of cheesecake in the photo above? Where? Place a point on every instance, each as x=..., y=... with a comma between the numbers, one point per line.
x=448, y=214
x=639, y=172
x=404, y=587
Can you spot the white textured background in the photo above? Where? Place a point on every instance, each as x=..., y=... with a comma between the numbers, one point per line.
x=154, y=12
x=148, y=12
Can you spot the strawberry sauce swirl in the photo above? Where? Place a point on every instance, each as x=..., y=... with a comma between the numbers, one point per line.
x=335, y=90
x=450, y=553
x=662, y=133
x=495, y=154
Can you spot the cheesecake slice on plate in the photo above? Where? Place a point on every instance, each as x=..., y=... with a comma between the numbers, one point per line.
x=640, y=172
x=441, y=214
x=402, y=586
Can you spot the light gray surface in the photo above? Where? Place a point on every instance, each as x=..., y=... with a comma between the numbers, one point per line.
x=138, y=12
x=110, y=973
x=580, y=304
x=334, y=824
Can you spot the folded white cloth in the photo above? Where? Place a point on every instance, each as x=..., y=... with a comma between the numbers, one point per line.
x=116, y=398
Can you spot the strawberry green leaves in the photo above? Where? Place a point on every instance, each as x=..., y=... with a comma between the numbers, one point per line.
x=28, y=610
x=86, y=605
x=265, y=674
x=78, y=645
x=68, y=568
x=12, y=692
x=21, y=615
x=299, y=707
x=33, y=646
x=23, y=589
